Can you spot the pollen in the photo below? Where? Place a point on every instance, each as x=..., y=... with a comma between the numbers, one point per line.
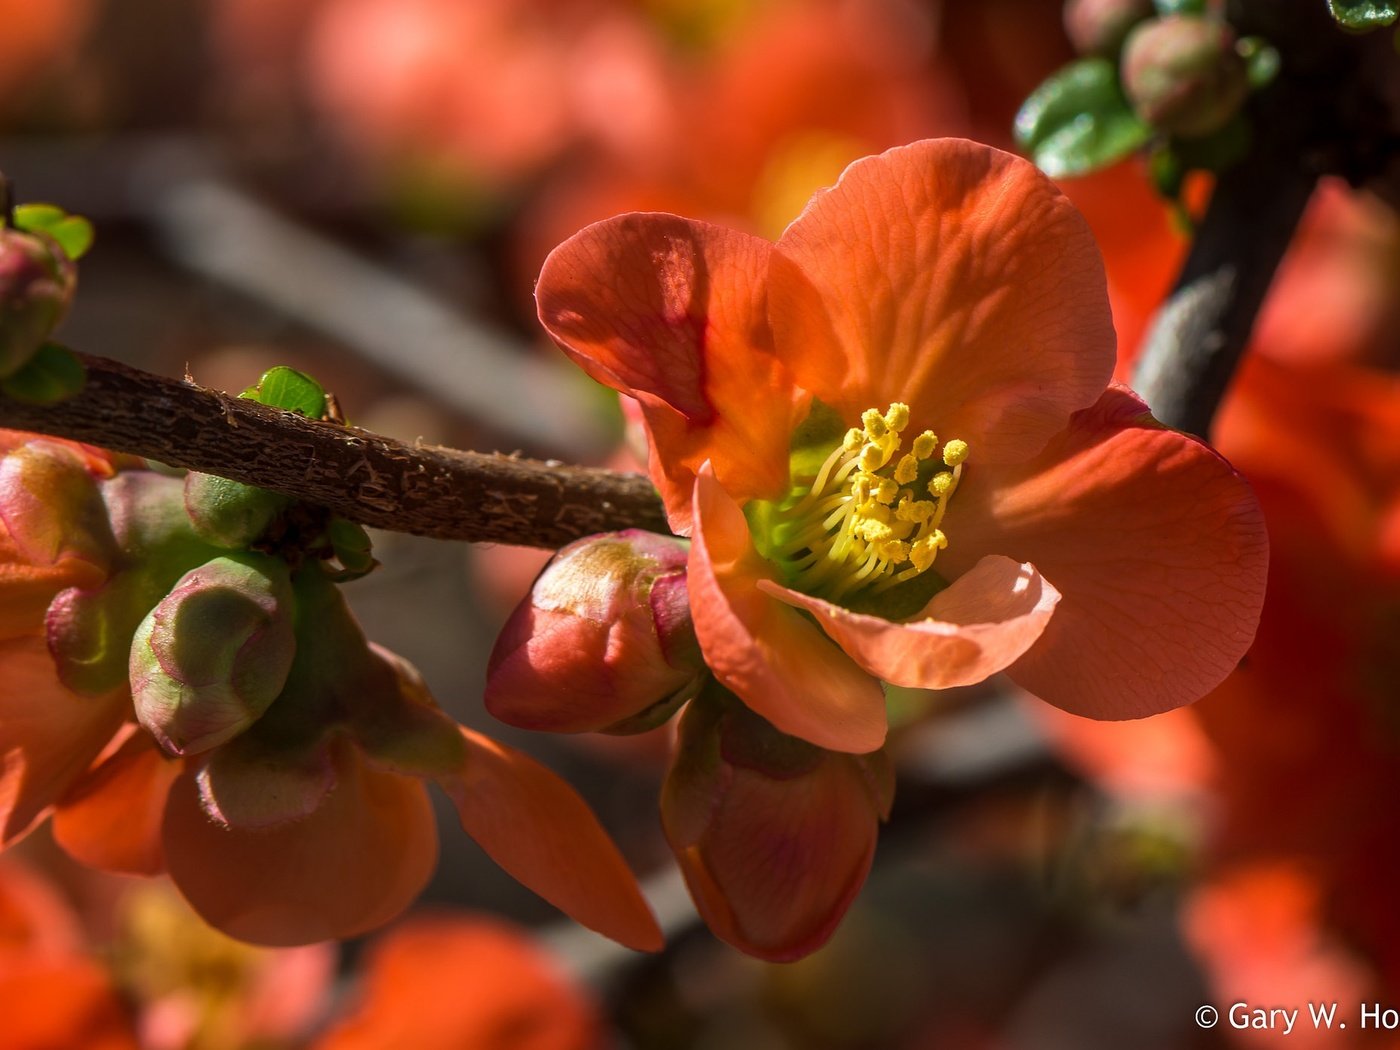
x=870, y=517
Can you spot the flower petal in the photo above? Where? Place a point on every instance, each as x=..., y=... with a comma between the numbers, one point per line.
x=1155, y=543
x=969, y=631
x=111, y=819
x=49, y=736
x=767, y=652
x=952, y=277
x=464, y=981
x=536, y=827
x=353, y=864
x=673, y=312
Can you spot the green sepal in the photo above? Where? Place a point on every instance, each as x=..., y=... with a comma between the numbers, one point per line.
x=1362, y=15
x=290, y=390
x=72, y=232
x=1078, y=120
x=353, y=549
x=53, y=374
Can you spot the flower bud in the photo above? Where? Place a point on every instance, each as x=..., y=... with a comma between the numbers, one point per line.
x=1099, y=27
x=1184, y=75
x=36, y=285
x=214, y=653
x=603, y=641
x=230, y=514
x=774, y=835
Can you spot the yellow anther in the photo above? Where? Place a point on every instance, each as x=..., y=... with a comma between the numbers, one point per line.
x=886, y=490
x=873, y=531
x=853, y=439
x=872, y=457
x=897, y=418
x=907, y=470
x=914, y=510
x=893, y=551
x=924, y=445
x=955, y=452
x=873, y=422
x=940, y=484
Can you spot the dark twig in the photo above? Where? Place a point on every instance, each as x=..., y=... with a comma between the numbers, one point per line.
x=1332, y=111
x=426, y=490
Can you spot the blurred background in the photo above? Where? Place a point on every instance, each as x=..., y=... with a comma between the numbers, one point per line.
x=365, y=190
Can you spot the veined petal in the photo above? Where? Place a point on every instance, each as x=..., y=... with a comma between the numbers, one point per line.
x=111, y=819
x=49, y=736
x=535, y=826
x=353, y=864
x=673, y=312
x=1155, y=543
x=763, y=649
x=976, y=627
x=954, y=278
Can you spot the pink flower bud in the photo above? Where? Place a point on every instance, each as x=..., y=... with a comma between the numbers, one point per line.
x=774, y=835
x=1099, y=27
x=36, y=285
x=603, y=641
x=213, y=655
x=1184, y=75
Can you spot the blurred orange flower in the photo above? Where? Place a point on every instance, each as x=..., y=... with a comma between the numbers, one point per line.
x=953, y=284
x=447, y=983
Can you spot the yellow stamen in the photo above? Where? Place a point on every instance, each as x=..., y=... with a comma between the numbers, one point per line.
x=860, y=524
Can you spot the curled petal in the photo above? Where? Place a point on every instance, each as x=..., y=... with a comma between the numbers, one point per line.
x=111, y=819
x=49, y=736
x=774, y=658
x=773, y=858
x=673, y=312
x=1156, y=545
x=952, y=277
x=536, y=827
x=357, y=861
x=967, y=632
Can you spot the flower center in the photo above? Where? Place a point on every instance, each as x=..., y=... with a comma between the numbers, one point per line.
x=870, y=518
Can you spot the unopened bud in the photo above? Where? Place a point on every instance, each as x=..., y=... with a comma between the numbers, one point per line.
x=214, y=653
x=1099, y=27
x=773, y=835
x=603, y=641
x=1184, y=75
x=230, y=514
x=36, y=285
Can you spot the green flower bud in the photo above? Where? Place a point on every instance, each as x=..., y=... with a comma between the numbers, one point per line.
x=36, y=285
x=230, y=514
x=1184, y=75
x=214, y=653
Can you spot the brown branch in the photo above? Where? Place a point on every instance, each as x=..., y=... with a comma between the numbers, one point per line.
x=426, y=490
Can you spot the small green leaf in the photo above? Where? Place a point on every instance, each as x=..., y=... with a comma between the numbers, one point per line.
x=72, y=232
x=1167, y=8
x=1079, y=121
x=1218, y=150
x=50, y=376
x=1362, y=15
x=286, y=388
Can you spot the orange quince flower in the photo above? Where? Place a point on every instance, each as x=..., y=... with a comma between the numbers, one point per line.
x=893, y=440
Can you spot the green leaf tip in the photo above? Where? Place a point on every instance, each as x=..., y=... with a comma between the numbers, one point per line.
x=286, y=388
x=1078, y=120
x=72, y=232
x=1361, y=15
x=51, y=375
